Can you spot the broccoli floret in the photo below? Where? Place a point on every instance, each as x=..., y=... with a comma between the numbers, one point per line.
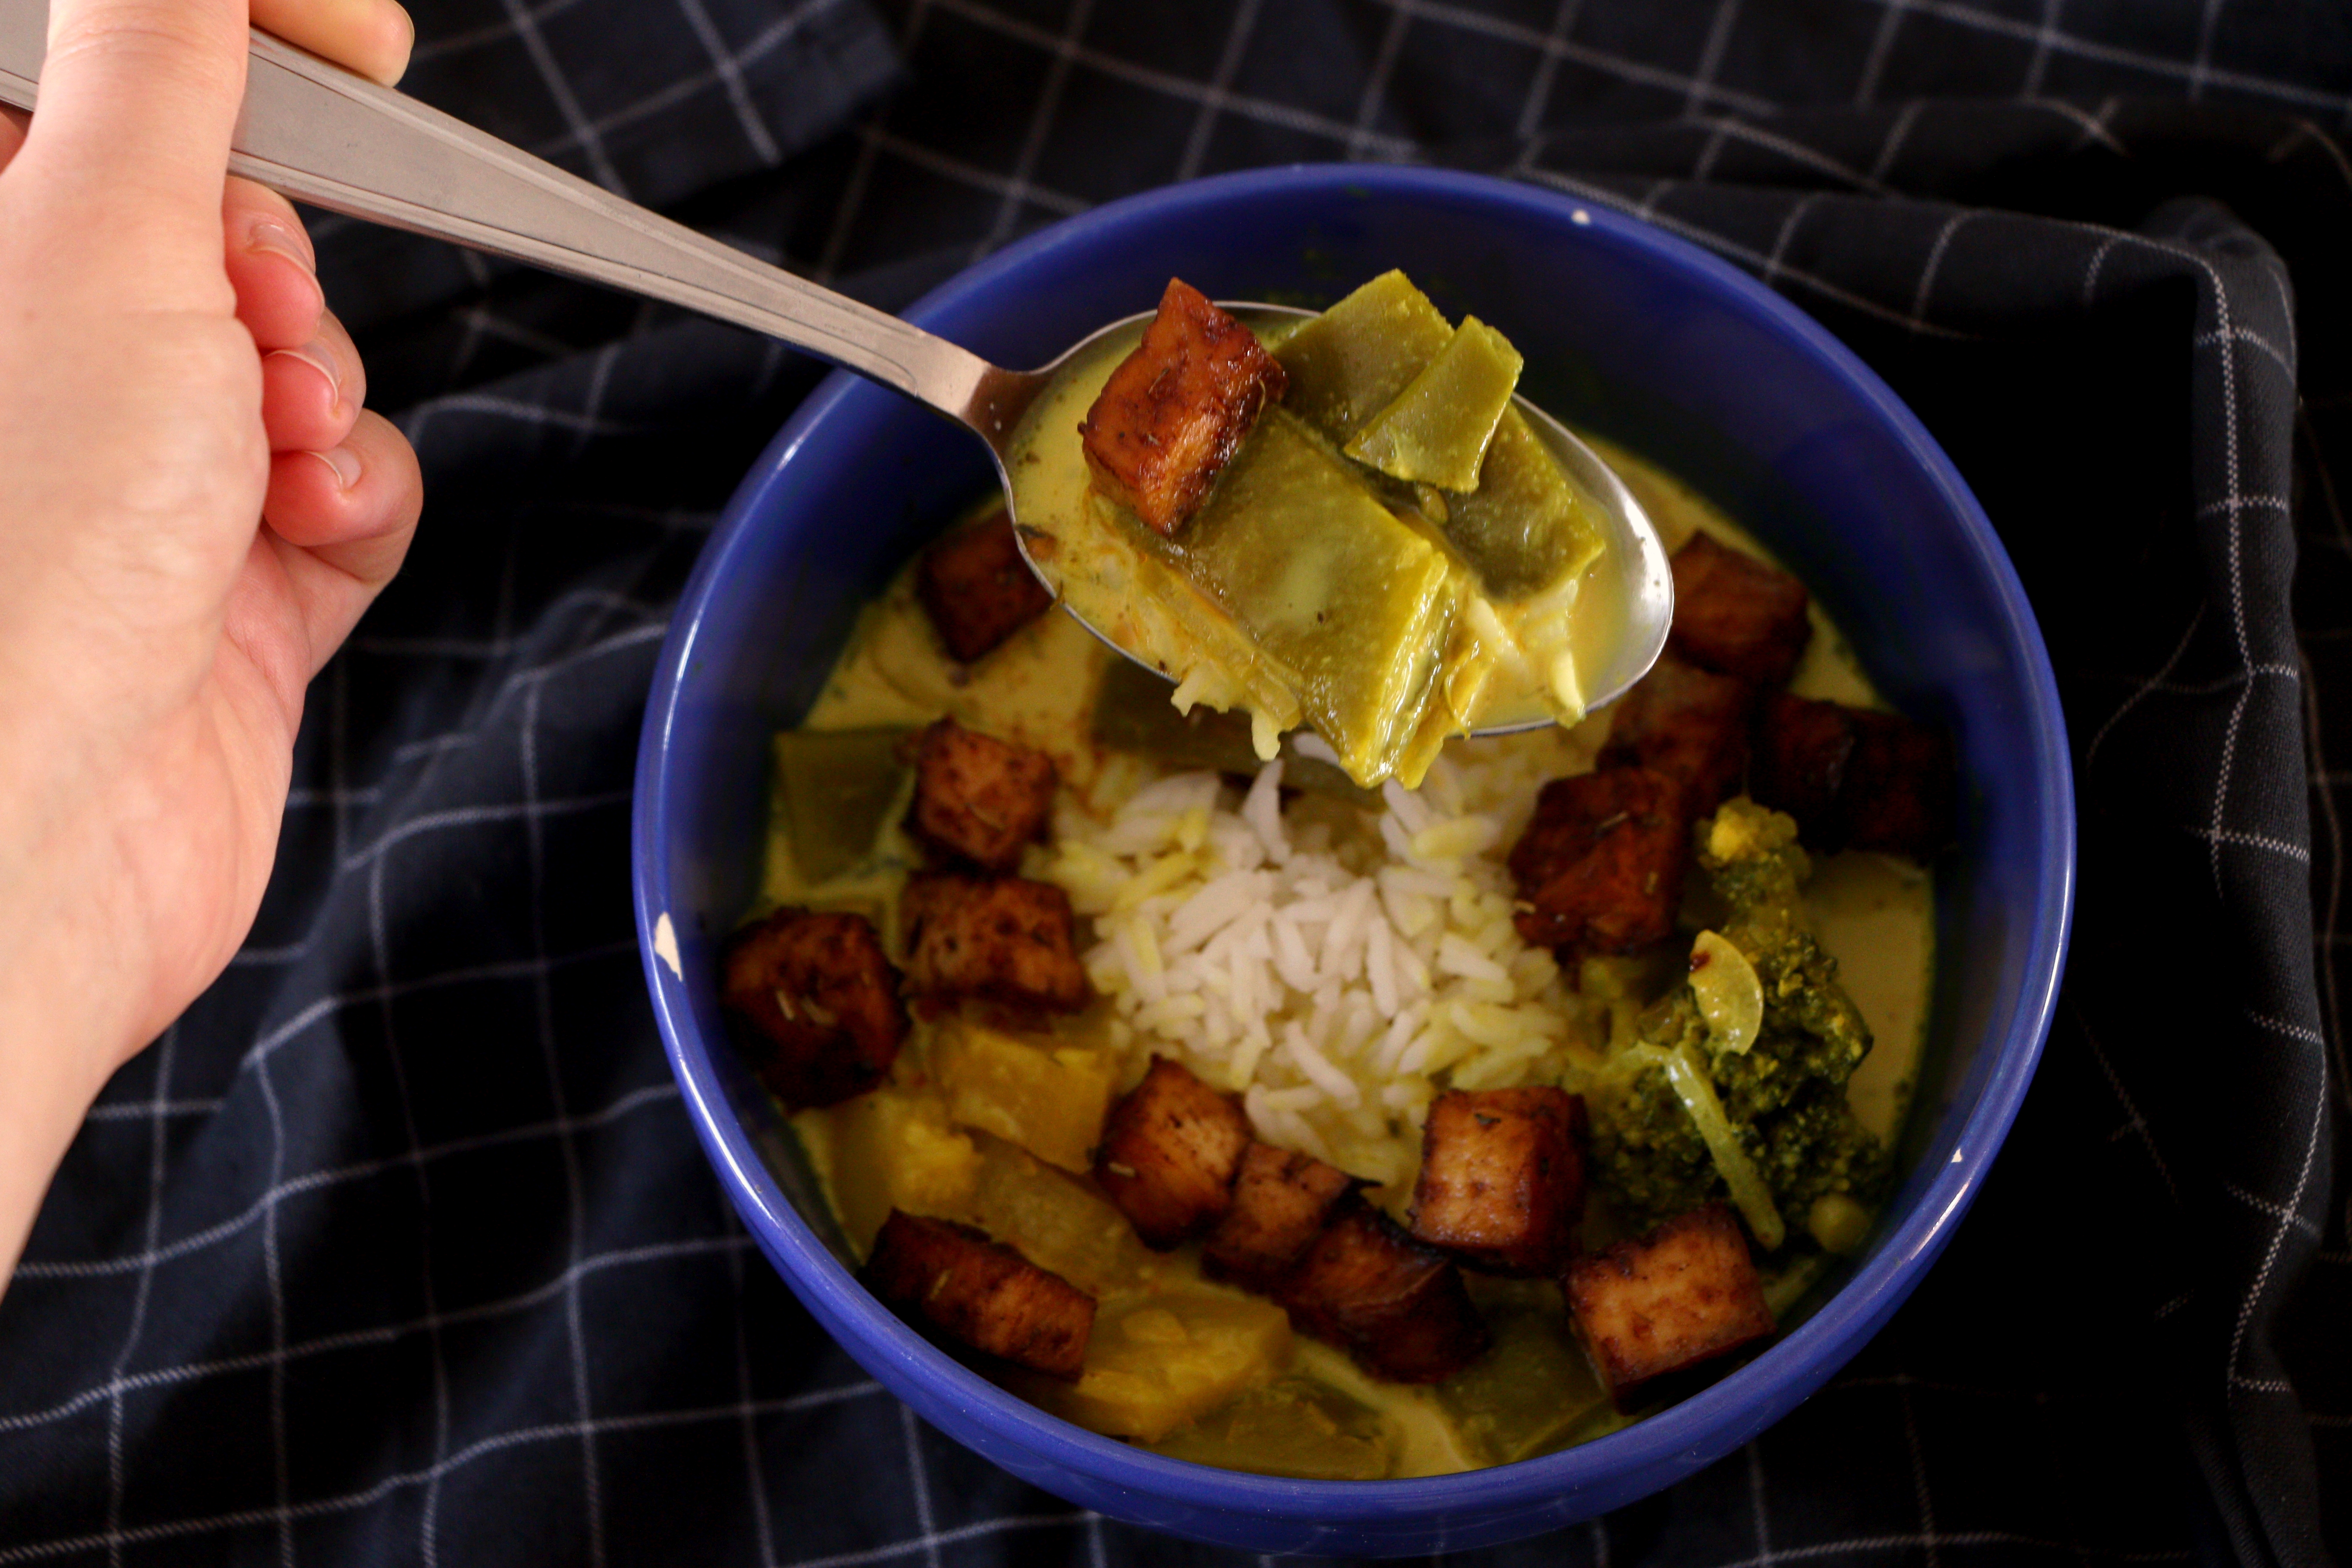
x=1785, y=1095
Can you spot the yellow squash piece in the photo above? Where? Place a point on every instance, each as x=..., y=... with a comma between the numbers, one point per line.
x=893, y=1149
x=1437, y=430
x=1290, y=1427
x=1058, y=1222
x=1050, y=1100
x=1156, y=1361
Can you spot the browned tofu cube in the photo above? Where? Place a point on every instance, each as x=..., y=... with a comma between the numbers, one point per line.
x=1502, y=1178
x=1854, y=778
x=1601, y=867
x=1688, y=724
x=981, y=1294
x=978, y=589
x=1282, y=1201
x=998, y=939
x=1735, y=614
x=1176, y=410
x=1169, y=1152
x=1683, y=1294
x=978, y=798
x=817, y=1003
x=1400, y=1308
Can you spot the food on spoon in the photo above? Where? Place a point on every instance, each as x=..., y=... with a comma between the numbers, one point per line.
x=1282, y=1200
x=1685, y=1293
x=1170, y=1153
x=1001, y=938
x=821, y=1000
x=977, y=589
x=1601, y=867
x=1438, y=429
x=982, y=1293
x=1855, y=778
x=978, y=798
x=1172, y=416
x=1736, y=614
x=1274, y=573
x=1399, y=1307
x=1688, y=724
x=1351, y=961
x=1502, y=1177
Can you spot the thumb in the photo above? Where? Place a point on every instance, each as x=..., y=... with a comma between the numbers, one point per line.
x=129, y=142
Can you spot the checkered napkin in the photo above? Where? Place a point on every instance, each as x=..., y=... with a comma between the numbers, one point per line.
x=398, y=1247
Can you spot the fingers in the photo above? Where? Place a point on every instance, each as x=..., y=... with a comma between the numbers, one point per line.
x=271, y=266
x=369, y=37
x=344, y=519
x=130, y=147
x=311, y=394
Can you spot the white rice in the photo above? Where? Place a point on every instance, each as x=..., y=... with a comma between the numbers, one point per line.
x=1337, y=968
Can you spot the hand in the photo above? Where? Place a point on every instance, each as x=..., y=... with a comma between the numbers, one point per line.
x=194, y=511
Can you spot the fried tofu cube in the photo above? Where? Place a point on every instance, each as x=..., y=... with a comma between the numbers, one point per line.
x=1282, y=1201
x=976, y=587
x=1688, y=724
x=1502, y=1178
x=1399, y=1307
x=1160, y=1360
x=978, y=798
x=981, y=1294
x=1601, y=867
x=1176, y=410
x=817, y=1001
x=1685, y=1293
x=1735, y=614
x=1855, y=778
x=1170, y=1153
x=997, y=938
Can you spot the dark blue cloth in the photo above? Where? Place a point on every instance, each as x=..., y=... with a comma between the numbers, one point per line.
x=398, y=1247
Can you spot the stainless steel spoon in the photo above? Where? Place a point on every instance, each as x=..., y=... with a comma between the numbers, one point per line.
x=320, y=135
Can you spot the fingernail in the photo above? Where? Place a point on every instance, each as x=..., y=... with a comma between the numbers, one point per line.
x=343, y=463
x=273, y=238
x=315, y=355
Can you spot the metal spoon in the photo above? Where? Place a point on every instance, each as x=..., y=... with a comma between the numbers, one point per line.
x=320, y=135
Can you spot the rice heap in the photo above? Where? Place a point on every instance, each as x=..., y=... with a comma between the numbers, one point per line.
x=1335, y=967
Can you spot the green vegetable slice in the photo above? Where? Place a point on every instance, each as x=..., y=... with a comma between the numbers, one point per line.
x=1351, y=361
x=835, y=790
x=1749, y=1195
x=1437, y=430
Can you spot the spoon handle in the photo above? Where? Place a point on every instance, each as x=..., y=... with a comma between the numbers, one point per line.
x=320, y=135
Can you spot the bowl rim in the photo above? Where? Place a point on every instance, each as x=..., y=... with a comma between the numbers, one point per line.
x=1693, y=1429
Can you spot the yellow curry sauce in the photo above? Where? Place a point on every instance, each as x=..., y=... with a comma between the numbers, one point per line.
x=1180, y=1363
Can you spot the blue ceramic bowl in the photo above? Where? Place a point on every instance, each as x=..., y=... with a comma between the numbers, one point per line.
x=1627, y=331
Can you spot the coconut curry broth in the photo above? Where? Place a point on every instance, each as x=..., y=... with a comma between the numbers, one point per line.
x=1285, y=1404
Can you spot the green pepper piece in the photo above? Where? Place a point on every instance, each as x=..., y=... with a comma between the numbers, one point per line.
x=1437, y=430
x=1356, y=603
x=1133, y=714
x=1353, y=360
x=1291, y=1428
x=834, y=791
x=1534, y=1392
x=1527, y=526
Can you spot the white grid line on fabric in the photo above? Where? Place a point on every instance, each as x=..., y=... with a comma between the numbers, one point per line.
x=755, y=1469
x=729, y=68
x=2203, y=62
x=1547, y=71
x=970, y=175
x=861, y=172
x=480, y=815
x=1897, y=132
x=2216, y=838
x=481, y=322
x=2124, y=1098
x=2043, y=37
x=2237, y=503
x=1928, y=1542
x=145, y=1534
x=567, y=103
x=1755, y=1501
x=1640, y=73
x=273, y=1276
x=730, y=71
x=115, y=1473
x=1796, y=152
x=157, y=1110
x=1787, y=234
x=2278, y=1238
x=1015, y=194
x=2094, y=126
x=2273, y=1207
x=2314, y=738
x=1741, y=253
x=307, y=1018
x=1249, y=107
x=2097, y=264
x=419, y=419
x=1376, y=82
x=2248, y=335
x=1935, y=264
x=929, y=1542
x=1882, y=44
x=918, y=1477
x=386, y=1334
x=1217, y=92
x=2303, y=1032
x=600, y=599
x=1710, y=56
x=1927, y=1539
x=576, y=1204
x=2146, y=688
x=475, y=37
x=1975, y=16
